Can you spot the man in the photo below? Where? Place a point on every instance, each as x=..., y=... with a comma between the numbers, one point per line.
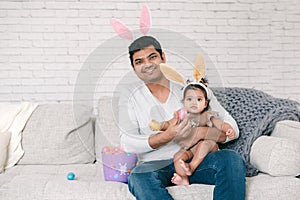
x=156, y=97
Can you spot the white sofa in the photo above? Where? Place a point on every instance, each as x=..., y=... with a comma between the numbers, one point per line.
x=61, y=138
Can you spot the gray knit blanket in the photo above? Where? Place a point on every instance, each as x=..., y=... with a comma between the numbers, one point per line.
x=256, y=114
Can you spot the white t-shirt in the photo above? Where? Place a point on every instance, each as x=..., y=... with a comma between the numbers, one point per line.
x=137, y=107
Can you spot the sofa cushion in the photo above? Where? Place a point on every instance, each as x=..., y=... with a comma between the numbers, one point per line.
x=106, y=127
x=4, y=141
x=276, y=156
x=266, y=187
x=59, y=134
x=287, y=129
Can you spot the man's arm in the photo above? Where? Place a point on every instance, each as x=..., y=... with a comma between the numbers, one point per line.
x=142, y=144
x=130, y=138
x=130, y=132
x=161, y=138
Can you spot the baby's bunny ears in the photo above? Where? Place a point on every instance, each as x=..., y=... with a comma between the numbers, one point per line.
x=171, y=74
x=198, y=72
x=199, y=68
x=124, y=32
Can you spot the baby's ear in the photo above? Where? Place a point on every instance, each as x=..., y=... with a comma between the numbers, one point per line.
x=206, y=102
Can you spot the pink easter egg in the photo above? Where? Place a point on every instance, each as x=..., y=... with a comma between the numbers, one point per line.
x=182, y=113
x=117, y=148
x=105, y=149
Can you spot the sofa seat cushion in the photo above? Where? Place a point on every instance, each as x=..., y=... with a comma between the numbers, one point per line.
x=266, y=187
x=50, y=182
x=276, y=156
x=59, y=134
x=27, y=182
x=194, y=191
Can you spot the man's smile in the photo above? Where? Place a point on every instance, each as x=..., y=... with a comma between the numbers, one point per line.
x=149, y=70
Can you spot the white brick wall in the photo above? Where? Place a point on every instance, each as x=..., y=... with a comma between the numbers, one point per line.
x=45, y=45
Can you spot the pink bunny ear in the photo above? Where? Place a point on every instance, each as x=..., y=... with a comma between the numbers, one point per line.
x=145, y=21
x=121, y=29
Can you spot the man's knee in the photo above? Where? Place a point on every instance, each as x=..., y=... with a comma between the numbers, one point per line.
x=235, y=162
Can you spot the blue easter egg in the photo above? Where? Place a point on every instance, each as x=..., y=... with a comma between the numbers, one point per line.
x=116, y=176
x=70, y=176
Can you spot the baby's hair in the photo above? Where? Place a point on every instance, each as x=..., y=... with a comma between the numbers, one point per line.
x=194, y=87
x=204, y=81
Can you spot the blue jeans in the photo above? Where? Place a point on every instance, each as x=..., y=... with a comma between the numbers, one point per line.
x=224, y=168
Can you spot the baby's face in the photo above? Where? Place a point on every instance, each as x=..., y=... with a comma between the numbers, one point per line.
x=194, y=101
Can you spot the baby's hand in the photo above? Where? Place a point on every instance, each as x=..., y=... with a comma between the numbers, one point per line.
x=230, y=133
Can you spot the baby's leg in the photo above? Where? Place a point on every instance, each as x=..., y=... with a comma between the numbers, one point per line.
x=180, y=177
x=199, y=151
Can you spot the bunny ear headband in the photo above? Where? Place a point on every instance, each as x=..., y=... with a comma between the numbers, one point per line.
x=124, y=32
x=198, y=74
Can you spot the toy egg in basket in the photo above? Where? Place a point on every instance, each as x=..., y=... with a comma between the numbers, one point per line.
x=117, y=164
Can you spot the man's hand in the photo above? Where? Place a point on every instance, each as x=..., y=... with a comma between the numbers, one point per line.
x=186, y=136
x=161, y=138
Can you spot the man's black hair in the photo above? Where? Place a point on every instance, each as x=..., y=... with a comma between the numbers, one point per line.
x=141, y=43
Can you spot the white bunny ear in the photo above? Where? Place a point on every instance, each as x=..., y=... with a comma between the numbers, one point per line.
x=121, y=29
x=145, y=20
x=199, y=68
x=171, y=74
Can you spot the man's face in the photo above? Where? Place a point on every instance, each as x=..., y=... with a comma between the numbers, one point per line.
x=146, y=64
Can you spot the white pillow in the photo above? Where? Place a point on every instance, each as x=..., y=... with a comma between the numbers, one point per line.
x=4, y=141
x=276, y=156
x=287, y=129
x=59, y=134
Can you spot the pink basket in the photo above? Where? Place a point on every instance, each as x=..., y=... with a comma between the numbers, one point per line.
x=117, y=166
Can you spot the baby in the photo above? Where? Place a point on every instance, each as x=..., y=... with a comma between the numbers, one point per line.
x=196, y=108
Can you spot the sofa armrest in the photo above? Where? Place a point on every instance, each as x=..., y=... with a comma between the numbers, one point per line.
x=276, y=156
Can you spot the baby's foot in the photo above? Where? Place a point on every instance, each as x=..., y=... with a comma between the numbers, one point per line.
x=178, y=180
x=186, y=167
